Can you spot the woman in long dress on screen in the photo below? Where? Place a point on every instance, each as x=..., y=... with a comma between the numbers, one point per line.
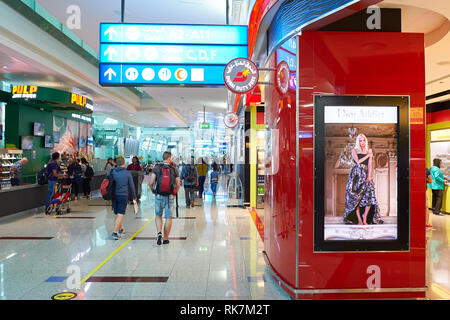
x=360, y=192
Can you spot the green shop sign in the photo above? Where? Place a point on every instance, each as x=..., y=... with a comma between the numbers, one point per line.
x=52, y=99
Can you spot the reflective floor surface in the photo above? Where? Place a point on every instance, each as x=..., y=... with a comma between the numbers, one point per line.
x=215, y=252
x=438, y=258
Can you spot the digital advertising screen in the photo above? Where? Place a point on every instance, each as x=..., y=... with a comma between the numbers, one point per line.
x=48, y=143
x=27, y=142
x=82, y=142
x=361, y=197
x=38, y=129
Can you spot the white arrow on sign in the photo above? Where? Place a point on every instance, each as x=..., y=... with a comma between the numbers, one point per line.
x=110, y=51
x=110, y=72
x=110, y=31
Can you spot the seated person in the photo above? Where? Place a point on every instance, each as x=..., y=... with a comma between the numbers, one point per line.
x=56, y=200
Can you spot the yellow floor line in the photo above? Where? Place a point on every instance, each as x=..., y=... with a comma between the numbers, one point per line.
x=115, y=252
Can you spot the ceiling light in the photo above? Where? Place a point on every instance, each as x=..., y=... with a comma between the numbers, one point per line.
x=110, y=121
x=4, y=67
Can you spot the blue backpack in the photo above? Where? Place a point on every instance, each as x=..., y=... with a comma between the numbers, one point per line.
x=78, y=175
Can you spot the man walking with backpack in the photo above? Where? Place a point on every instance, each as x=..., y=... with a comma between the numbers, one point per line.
x=123, y=189
x=164, y=183
x=189, y=175
x=53, y=173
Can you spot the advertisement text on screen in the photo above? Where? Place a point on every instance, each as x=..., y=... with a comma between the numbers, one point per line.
x=357, y=114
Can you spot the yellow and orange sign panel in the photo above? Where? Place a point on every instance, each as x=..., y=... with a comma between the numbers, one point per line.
x=24, y=91
x=77, y=99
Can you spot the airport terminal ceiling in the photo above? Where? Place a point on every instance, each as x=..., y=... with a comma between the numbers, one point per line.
x=174, y=106
x=151, y=106
x=145, y=106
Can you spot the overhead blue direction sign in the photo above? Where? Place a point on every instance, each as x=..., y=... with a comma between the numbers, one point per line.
x=184, y=54
x=168, y=54
x=155, y=74
x=168, y=33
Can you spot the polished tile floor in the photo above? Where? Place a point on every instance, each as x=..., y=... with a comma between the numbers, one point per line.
x=215, y=253
x=438, y=258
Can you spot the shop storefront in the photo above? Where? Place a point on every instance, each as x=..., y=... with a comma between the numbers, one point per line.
x=41, y=120
x=325, y=88
x=37, y=122
x=255, y=154
x=438, y=146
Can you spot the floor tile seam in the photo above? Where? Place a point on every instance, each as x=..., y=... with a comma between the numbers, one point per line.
x=120, y=247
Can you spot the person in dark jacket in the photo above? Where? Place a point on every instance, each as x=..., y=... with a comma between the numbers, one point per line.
x=124, y=188
x=88, y=174
x=189, y=175
x=76, y=174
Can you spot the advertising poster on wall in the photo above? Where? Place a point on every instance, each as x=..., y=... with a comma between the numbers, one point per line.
x=48, y=141
x=360, y=172
x=359, y=155
x=90, y=140
x=83, y=137
x=55, y=136
x=39, y=129
x=68, y=135
x=27, y=142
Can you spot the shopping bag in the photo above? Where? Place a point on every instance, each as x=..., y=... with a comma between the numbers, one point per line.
x=136, y=208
